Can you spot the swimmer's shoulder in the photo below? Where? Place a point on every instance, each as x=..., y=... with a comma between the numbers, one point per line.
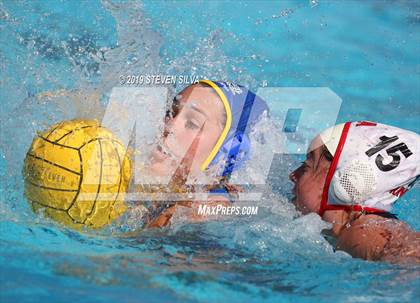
x=370, y=236
x=363, y=238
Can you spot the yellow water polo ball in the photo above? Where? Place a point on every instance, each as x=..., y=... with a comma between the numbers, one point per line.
x=77, y=173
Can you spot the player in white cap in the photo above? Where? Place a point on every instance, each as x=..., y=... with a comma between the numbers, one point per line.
x=353, y=174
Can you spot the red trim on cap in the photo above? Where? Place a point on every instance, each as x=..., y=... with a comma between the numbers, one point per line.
x=366, y=123
x=324, y=202
x=369, y=210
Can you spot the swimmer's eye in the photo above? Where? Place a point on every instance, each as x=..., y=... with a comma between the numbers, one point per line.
x=304, y=166
x=175, y=108
x=191, y=125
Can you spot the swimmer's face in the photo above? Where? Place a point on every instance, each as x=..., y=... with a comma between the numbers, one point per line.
x=309, y=180
x=200, y=112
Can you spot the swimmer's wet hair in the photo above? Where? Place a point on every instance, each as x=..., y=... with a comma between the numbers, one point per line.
x=326, y=153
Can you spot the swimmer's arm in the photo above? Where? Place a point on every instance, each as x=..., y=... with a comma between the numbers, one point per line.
x=373, y=240
x=164, y=218
x=405, y=248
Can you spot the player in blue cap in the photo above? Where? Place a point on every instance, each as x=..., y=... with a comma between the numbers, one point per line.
x=208, y=130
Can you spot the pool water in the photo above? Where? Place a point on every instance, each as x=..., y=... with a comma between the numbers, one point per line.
x=366, y=52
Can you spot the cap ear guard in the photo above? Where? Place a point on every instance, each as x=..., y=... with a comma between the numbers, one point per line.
x=353, y=183
x=234, y=152
x=243, y=110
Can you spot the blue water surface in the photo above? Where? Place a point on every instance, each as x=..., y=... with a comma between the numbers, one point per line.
x=367, y=52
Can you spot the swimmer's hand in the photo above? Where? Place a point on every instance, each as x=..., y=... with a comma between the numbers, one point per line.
x=164, y=218
x=178, y=184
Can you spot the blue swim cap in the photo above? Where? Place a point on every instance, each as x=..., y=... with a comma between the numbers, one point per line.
x=243, y=110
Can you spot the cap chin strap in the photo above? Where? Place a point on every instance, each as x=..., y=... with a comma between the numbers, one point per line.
x=324, y=202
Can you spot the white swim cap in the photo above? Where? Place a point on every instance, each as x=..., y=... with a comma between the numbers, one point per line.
x=373, y=165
